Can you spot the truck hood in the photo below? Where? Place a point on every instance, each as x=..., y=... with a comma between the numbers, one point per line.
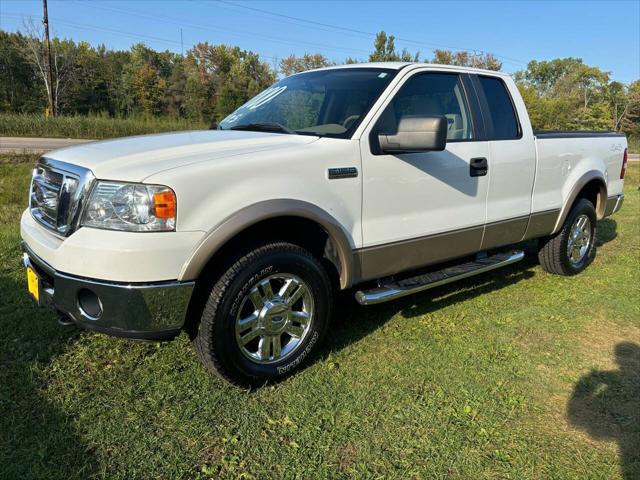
x=136, y=158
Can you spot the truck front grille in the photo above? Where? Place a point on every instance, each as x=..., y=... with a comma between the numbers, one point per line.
x=45, y=195
x=57, y=192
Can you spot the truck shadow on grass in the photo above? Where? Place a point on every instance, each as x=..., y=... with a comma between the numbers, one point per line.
x=37, y=439
x=354, y=321
x=607, y=231
x=606, y=405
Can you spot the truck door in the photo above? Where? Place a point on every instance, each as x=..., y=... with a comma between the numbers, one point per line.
x=512, y=161
x=421, y=208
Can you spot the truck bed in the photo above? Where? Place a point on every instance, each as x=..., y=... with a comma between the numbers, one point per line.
x=561, y=163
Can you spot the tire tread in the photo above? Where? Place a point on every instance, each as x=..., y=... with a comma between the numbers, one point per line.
x=203, y=341
x=552, y=251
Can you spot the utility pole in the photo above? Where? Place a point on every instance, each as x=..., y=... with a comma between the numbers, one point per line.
x=181, y=44
x=47, y=45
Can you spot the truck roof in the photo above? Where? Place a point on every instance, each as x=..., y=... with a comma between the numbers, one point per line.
x=399, y=65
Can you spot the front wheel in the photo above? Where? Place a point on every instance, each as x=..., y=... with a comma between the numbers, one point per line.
x=572, y=249
x=265, y=316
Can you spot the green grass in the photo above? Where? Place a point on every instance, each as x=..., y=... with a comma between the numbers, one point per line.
x=92, y=126
x=509, y=375
x=634, y=144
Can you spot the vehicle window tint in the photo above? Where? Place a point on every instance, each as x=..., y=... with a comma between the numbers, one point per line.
x=431, y=94
x=323, y=102
x=503, y=117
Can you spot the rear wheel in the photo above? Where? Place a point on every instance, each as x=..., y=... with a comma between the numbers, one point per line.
x=265, y=316
x=572, y=249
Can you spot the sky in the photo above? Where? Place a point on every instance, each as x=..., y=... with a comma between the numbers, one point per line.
x=604, y=34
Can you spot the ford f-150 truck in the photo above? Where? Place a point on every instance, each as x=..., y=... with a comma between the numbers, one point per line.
x=388, y=178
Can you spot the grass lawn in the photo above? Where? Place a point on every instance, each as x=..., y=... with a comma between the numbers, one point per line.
x=514, y=374
x=89, y=126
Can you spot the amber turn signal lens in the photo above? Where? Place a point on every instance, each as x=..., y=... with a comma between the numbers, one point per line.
x=164, y=204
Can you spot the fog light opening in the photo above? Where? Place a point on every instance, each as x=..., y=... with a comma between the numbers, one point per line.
x=89, y=304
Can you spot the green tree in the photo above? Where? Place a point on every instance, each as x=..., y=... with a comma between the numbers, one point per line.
x=85, y=90
x=220, y=78
x=487, y=61
x=176, y=89
x=149, y=89
x=144, y=80
x=111, y=67
x=293, y=64
x=565, y=94
x=631, y=120
x=20, y=89
x=385, y=50
x=618, y=99
x=247, y=77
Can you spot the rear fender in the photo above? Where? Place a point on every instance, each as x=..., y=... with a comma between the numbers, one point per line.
x=582, y=180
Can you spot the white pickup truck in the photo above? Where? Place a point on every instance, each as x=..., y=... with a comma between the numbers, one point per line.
x=388, y=177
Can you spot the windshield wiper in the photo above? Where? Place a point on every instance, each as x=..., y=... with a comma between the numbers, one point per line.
x=265, y=127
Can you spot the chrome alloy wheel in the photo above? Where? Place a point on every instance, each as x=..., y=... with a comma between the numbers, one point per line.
x=579, y=239
x=272, y=326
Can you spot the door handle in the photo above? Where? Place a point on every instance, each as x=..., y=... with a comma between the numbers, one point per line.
x=478, y=167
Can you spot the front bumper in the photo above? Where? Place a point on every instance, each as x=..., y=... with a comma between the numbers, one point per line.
x=145, y=311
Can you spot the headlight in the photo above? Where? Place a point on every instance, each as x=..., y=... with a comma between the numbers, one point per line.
x=132, y=207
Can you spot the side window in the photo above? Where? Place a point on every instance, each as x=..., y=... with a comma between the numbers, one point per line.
x=431, y=94
x=503, y=117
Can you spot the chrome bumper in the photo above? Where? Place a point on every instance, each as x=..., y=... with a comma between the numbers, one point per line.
x=149, y=311
x=613, y=205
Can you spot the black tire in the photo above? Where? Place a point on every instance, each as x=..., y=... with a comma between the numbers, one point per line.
x=215, y=341
x=553, y=254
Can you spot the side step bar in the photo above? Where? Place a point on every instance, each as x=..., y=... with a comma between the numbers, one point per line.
x=395, y=289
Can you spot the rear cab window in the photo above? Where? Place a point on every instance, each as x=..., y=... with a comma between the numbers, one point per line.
x=502, y=121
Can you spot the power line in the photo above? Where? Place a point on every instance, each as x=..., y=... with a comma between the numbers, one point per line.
x=292, y=22
x=135, y=36
x=362, y=32
x=297, y=19
x=85, y=26
x=209, y=27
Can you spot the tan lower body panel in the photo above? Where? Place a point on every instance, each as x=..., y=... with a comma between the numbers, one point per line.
x=384, y=260
x=504, y=232
x=541, y=224
x=613, y=205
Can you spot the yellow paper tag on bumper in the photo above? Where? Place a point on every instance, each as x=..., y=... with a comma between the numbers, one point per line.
x=33, y=284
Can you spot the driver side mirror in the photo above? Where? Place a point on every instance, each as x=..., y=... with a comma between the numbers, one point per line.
x=416, y=134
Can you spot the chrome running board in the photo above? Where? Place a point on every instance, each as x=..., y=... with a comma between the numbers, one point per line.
x=392, y=289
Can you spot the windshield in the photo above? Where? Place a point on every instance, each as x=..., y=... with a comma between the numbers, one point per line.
x=328, y=103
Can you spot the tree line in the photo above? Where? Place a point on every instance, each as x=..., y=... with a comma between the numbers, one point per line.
x=210, y=81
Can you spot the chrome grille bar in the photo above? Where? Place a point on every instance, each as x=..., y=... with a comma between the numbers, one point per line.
x=44, y=196
x=58, y=190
